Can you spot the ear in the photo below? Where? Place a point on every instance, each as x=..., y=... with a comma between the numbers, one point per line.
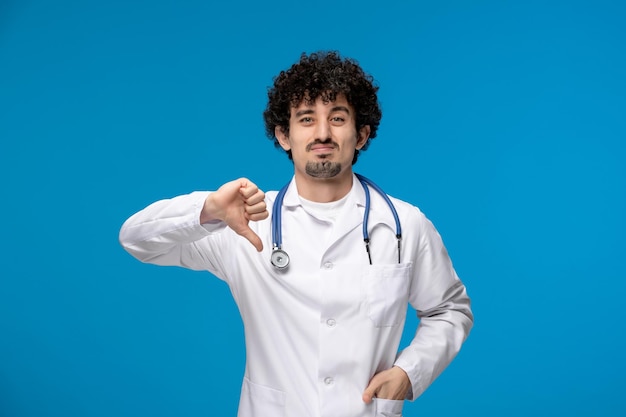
x=363, y=136
x=283, y=139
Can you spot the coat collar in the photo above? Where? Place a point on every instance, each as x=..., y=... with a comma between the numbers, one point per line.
x=379, y=211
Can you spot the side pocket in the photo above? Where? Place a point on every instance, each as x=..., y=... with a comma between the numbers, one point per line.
x=387, y=288
x=260, y=401
x=388, y=408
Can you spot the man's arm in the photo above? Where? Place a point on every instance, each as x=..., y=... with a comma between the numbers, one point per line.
x=443, y=308
x=164, y=232
x=438, y=339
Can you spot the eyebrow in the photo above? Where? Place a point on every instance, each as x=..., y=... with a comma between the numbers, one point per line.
x=332, y=110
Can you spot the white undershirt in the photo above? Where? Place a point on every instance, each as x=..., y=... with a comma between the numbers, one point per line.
x=324, y=211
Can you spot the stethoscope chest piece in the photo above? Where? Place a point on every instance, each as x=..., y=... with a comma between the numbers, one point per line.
x=279, y=258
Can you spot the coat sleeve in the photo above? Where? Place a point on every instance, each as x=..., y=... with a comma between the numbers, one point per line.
x=169, y=232
x=443, y=307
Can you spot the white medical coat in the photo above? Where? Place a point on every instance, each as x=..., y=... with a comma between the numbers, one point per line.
x=317, y=332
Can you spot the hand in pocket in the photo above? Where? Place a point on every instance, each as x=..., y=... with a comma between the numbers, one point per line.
x=391, y=384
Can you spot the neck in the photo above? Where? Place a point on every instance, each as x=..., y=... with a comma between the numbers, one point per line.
x=324, y=190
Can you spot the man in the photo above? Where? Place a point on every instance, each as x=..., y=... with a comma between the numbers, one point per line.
x=322, y=333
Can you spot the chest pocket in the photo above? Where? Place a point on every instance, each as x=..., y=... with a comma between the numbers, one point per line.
x=387, y=293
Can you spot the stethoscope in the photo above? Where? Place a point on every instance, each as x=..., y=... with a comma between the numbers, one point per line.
x=280, y=258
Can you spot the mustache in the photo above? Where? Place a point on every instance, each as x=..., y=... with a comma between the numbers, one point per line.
x=321, y=142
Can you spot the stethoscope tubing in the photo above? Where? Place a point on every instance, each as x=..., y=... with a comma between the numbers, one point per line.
x=280, y=258
x=277, y=235
x=366, y=237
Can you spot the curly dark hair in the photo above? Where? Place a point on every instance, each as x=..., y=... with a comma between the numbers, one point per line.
x=325, y=75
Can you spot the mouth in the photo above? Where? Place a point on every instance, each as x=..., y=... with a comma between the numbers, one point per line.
x=322, y=148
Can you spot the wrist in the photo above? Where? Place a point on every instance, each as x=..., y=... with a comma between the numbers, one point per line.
x=207, y=214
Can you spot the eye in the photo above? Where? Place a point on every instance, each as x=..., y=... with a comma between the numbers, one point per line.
x=337, y=120
x=306, y=120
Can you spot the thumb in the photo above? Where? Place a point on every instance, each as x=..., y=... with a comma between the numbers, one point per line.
x=370, y=391
x=252, y=238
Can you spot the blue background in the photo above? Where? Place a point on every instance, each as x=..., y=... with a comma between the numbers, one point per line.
x=504, y=121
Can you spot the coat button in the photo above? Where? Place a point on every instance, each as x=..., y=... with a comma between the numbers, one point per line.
x=328, y=380
x=331, y=322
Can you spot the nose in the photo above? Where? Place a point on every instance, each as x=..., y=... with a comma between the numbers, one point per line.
x=322, y=130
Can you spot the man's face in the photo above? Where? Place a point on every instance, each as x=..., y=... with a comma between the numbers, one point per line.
x=323, y=137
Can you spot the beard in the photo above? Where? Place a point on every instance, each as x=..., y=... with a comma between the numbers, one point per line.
x=324, y=169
